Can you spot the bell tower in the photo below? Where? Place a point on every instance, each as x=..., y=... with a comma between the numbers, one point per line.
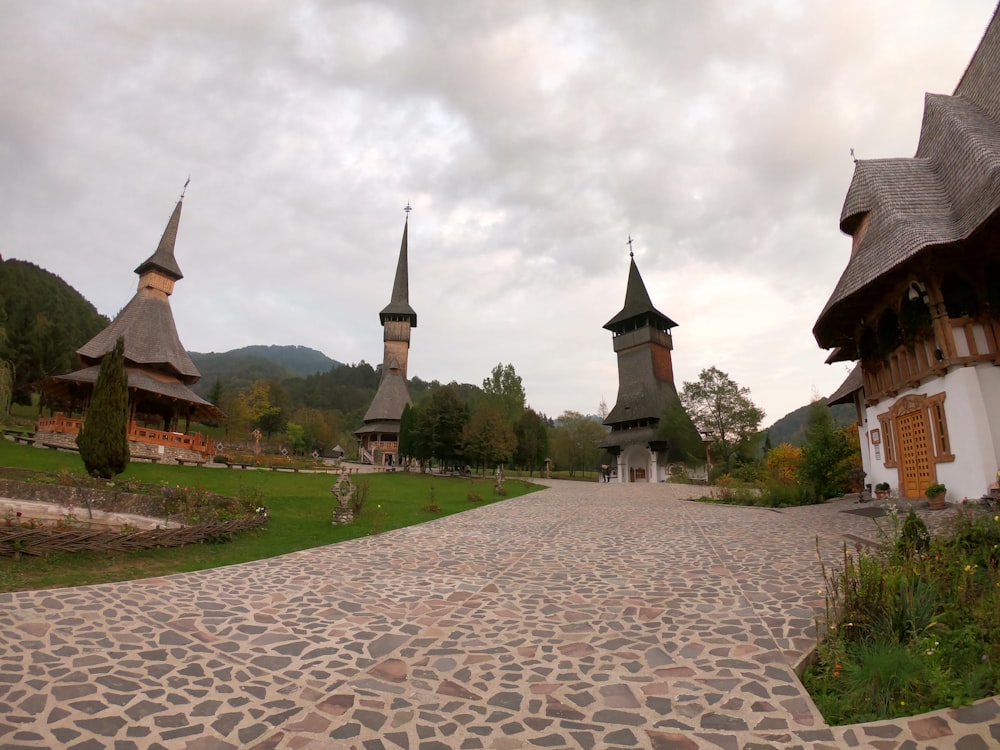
x=379, y=437
x=643, y=344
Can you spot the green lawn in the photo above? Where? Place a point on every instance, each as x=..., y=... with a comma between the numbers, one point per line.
x=301, y=507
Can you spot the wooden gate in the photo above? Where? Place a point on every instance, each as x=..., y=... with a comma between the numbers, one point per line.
x=914, y=453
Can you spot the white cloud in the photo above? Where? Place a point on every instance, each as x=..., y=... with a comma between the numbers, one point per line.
x=530, y=138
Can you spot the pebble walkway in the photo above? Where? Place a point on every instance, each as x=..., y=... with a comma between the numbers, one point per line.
x=582, y=616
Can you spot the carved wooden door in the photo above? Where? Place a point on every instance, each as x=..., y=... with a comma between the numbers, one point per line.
x=914, y=453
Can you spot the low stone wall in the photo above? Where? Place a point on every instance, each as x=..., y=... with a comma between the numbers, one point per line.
x=82, y=497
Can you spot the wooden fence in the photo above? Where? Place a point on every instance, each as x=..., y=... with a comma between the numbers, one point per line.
x=16, y=541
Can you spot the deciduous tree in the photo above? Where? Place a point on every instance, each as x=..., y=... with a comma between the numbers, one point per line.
x=724, y=410
x=684, y=443
x=440, y=423
x=575, y=441
x=488, y=438
x=532, y=441
x=504, y=389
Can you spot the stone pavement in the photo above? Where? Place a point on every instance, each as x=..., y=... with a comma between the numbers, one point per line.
x=583, y=616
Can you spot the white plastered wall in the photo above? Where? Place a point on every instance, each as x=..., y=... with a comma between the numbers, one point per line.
x=972, y=410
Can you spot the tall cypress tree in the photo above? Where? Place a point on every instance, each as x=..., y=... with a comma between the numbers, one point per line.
x=103, y=439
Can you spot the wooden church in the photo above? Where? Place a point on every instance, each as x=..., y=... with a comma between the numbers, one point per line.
x=378, y=437
x=918, y=306
x=160, y=372
x=644, y=449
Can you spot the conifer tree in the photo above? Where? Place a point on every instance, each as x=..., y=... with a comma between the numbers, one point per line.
x=103, y=439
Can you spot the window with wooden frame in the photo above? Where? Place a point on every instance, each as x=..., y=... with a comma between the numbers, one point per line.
x=942, y=445
x=888, y=440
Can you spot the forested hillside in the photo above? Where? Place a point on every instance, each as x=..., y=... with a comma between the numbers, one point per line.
x=791, y=428
x=240, y=367
x=43, y=321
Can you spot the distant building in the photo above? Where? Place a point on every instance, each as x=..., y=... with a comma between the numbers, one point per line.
x=158, y=367
x=918, y=306
x=643, y=344
x=378, y=438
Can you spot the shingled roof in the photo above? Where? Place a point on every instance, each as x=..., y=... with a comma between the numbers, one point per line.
x=399, y=303
x=151, y=340
x=391, y=397
x=637, y=304
x=845, y=393
x=940, y=197
x=168, y=388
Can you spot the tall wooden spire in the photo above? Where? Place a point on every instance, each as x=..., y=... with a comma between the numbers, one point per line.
x=379, y=437
x=162, y=259
x=399, y=304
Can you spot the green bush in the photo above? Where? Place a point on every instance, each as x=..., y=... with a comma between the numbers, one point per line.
x=103, y=439
x=914, y=539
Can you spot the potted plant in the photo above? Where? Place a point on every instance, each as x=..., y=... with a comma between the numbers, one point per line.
x=882, y=490
x=935, y=495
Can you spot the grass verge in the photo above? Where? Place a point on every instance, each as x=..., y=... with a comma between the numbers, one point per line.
x=301, y=507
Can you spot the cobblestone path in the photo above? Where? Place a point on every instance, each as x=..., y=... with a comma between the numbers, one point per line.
x=583, y=616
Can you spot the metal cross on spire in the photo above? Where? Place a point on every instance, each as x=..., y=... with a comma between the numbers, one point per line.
x=629, y=243
x=408, y=209
x=184, y=189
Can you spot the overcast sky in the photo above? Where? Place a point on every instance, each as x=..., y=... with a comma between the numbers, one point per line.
x=531, y=139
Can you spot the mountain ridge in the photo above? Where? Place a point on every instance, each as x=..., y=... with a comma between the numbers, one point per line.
x=241, y=367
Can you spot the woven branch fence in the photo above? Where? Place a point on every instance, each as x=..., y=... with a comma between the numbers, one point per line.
x=43, y=541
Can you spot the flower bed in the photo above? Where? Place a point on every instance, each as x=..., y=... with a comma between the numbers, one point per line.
x=914, y=626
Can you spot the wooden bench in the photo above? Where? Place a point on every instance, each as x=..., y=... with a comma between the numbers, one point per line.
x=189, y=462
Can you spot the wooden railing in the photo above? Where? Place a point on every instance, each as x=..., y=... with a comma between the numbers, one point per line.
x=966, y=342
x=193, y=442
x=60, y=423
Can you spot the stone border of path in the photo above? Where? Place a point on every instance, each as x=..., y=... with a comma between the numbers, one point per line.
x=584, y=616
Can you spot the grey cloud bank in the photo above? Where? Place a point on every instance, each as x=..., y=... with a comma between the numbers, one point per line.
x=530, y=138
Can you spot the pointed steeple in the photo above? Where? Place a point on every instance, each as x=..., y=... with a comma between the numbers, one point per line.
x=399, y=304
x=163, y=259
x=638, y=304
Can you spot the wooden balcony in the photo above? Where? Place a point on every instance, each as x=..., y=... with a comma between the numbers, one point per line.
x=965, y=342
x=60, y=423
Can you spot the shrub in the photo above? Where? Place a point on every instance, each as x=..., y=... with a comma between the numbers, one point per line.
x=784, y=463
x=913, y=537
x=103, y=439
x=777, y=495
x=360, y=497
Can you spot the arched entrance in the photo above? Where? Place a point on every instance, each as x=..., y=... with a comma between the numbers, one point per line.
x=636, y=464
